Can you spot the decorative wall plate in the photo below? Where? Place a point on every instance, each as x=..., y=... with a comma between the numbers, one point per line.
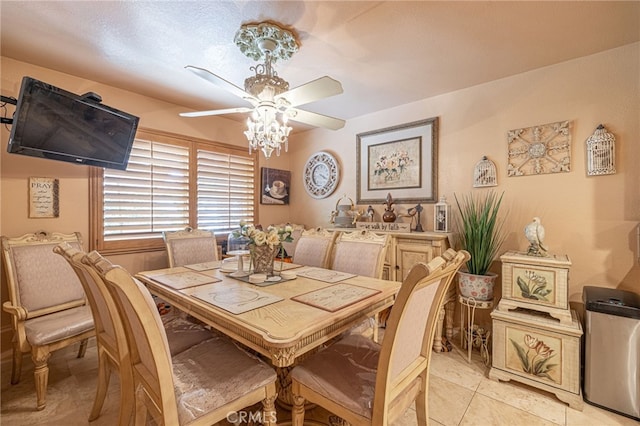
x=321, y=175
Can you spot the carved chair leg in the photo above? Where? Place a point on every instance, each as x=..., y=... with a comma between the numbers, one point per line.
x=16, y=369
x=41, y=375
x=269, y=416
x=104, y=376
x=83, y=348
x=297, y=411
x=422, y=408
x=376, y=325
x=127, y=402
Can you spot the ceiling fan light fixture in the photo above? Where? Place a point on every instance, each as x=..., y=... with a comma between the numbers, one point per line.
x=272, y=102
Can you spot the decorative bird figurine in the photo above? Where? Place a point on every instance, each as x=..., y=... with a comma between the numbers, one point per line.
x=535, y=234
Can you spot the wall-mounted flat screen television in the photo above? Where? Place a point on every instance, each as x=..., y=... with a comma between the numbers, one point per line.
x=53, y=123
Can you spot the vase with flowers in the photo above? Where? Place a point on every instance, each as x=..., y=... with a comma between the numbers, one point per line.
x=264, y=245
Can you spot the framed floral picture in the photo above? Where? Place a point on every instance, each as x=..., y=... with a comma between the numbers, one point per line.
x=401, y=160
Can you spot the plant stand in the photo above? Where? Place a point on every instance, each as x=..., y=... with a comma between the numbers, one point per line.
x=471, y=335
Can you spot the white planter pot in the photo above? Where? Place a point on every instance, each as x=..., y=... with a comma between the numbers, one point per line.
x=480, y=287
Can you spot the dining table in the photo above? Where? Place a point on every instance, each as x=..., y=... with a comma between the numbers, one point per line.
x=284, y=318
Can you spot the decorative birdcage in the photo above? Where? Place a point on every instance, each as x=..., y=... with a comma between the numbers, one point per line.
x=601, y=152
x=485, y=173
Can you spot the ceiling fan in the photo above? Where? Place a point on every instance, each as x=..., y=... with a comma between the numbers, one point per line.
x=268, y=94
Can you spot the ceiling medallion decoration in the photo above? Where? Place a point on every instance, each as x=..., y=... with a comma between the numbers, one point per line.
x=321, y=175
x=273, y=104
x=540, y=149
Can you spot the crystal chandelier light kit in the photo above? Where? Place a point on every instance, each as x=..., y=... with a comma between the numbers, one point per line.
x=267, y=127
x=273, y=103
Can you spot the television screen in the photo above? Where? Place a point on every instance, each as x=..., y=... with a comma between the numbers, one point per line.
x=53, y=123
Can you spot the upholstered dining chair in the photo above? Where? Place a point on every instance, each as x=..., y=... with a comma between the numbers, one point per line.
x=48, y=307
x=189, y=246
x=113, y=352
x=199, y=386
x=364, y=383
x=314, y=247
x=361, y=252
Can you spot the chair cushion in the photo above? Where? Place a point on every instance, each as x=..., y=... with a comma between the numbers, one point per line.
x=58, y=325
x=344, y=372
x=214, y=373
x=182, y=334
x=37, y=269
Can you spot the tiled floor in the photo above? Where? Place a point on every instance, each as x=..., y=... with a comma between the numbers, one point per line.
x=460, y=394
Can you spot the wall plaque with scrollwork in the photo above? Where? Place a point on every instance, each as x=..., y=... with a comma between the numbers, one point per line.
x=541, y=149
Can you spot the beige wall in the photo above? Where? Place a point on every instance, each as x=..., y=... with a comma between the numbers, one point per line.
x=591, y=219
x=74, y=189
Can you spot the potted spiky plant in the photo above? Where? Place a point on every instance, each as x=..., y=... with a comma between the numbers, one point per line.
x=481, y=234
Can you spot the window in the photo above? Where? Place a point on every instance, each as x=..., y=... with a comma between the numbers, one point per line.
x=171, y=182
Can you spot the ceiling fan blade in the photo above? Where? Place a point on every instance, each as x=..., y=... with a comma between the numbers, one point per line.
x=215, y=112
x=315, y=119
x=321, y=88
x=222, y=83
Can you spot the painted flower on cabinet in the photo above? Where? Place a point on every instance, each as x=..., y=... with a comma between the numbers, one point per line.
x=533, y=286
x=535, y=357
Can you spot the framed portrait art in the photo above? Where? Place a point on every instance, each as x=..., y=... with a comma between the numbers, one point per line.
x=401, y=160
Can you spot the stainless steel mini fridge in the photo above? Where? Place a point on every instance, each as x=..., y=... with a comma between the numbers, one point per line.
x=612, y=350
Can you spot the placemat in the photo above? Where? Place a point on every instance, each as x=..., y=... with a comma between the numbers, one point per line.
x=215, y=264
x=180, y=280
x=326, y=275
x=236, y=300
x=265, y=283
x=284, y=266
x=335, y=297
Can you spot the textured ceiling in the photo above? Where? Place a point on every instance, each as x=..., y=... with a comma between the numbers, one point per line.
x=384, y=53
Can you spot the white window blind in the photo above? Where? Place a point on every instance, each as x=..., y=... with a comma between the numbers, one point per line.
x=225, y=191
x=151, y=196
x=171, y=182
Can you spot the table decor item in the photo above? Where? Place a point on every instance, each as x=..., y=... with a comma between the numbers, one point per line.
x=481, y=234
x=264, y=246
x=345, y=215
x=441, y=215
x=389, y=215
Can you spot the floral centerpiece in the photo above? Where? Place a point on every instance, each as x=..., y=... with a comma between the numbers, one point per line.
x=264, y=246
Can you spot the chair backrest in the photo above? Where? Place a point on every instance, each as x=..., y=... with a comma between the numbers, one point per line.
x=314, y=247
x=360, y=252
x=190, y=246
x=290, y=246
x=109, y=329
x=147, y=340
x=403, y=366
x=38, y=280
